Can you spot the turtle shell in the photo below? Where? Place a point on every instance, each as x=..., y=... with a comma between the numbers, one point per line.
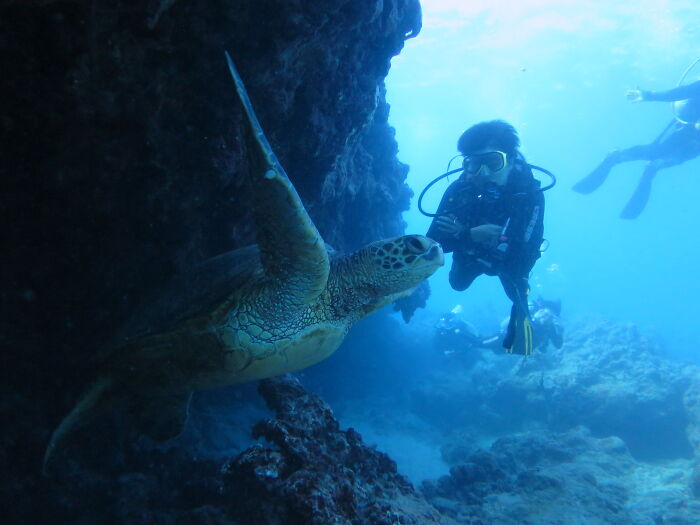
x=195, y=292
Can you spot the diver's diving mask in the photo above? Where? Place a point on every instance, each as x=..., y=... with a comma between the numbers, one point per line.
x=495, y=161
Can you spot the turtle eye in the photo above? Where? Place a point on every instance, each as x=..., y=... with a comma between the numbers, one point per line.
x=415, y=245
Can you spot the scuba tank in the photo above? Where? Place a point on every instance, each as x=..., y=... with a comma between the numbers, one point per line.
x=683, y=111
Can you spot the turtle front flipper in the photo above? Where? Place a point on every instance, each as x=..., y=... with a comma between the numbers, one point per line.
x=291, y=247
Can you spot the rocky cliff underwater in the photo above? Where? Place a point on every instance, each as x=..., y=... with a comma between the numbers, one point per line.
x=123, y=165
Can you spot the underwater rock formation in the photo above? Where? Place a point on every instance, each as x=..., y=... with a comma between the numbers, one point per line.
x=122, y=164
x=691, y=401
x=304, y=470
x=543, y=478
x=122, y=141
x=316, y=473
x=606, y=377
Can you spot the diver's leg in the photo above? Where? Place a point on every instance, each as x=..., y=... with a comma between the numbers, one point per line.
x=597, y=177
x=463, y=273
x=518, y=339
x=642, y=152
x=516, y=289
x=679, y=147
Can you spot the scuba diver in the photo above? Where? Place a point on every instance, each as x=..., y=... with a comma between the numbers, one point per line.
x=453, y=335
x=546, y=324
x=678, y=143
x=491, y=219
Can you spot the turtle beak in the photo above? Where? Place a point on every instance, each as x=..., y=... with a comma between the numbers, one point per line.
x=434, y=254
x=426, y=249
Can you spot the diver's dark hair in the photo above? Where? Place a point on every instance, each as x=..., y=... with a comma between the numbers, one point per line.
x=496, y=134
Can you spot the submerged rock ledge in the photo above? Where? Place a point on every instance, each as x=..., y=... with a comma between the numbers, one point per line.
x=122, y=166
x=316, y=473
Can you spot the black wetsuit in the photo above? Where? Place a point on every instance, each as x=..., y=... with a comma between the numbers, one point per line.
x=454, y=335
x=519, y=207
x=683, y=143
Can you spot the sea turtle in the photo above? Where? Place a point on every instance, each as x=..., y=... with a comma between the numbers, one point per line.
x=261, y=311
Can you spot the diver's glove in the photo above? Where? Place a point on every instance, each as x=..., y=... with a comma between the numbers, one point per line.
x=635, y=95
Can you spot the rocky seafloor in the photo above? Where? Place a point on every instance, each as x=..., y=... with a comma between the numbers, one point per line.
x=604, y=430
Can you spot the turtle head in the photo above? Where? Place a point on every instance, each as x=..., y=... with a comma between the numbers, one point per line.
x=392, y=268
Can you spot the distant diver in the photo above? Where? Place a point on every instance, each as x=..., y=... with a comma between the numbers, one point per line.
x=677, y=143
x=491, y=218
x=453, y=335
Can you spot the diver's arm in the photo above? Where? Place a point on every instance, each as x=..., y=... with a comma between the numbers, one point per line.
x=486, y=234
x=448, y=207
x=451, y=233
x=671, y=95
x=447, y=241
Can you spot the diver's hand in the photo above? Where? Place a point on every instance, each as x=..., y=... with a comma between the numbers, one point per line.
x=449, y=225
x=635, y=95
x=488, y=234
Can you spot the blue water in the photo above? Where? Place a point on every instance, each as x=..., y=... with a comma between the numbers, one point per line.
x=558, y=72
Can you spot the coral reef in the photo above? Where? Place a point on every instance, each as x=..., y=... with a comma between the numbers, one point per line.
x=573, y=478
x=316, y=473
x=604, y=430
x=303, y=470
x=607, y=377
x=691, y=402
